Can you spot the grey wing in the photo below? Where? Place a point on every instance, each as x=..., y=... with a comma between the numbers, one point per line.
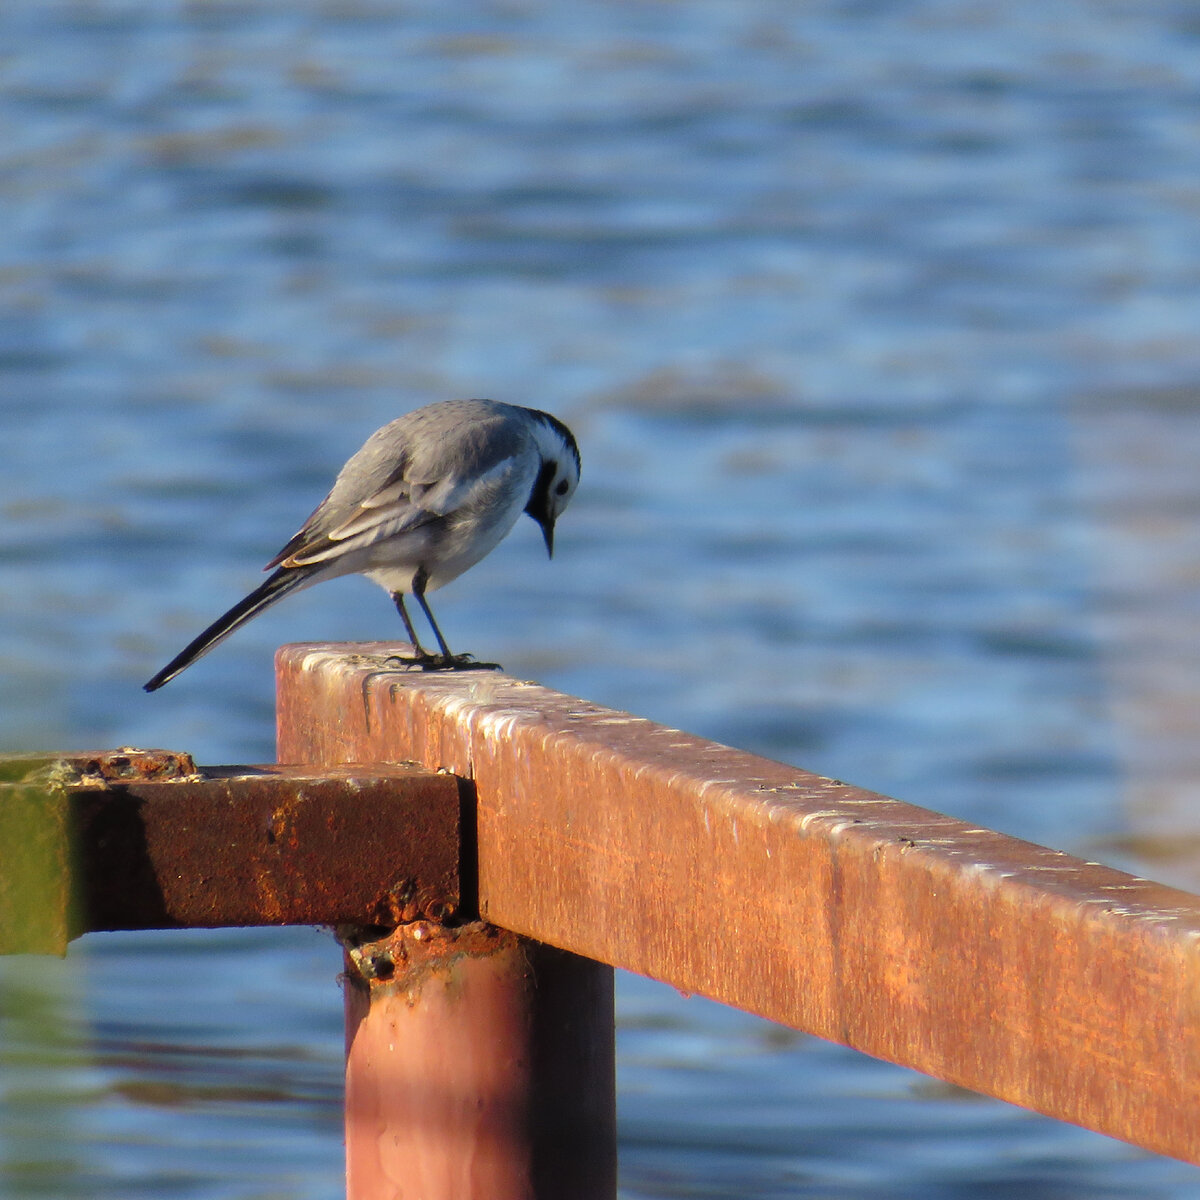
x=408, y=474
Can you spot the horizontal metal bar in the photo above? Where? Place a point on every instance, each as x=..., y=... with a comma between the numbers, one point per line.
x=1001, y=966
x=145, y=840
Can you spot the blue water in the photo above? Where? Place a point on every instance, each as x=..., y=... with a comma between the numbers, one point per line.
x=829, y=293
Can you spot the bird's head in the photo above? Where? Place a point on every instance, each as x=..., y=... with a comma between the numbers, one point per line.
x=558, y=475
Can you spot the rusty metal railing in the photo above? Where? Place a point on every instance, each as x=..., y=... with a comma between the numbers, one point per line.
x=582, y=837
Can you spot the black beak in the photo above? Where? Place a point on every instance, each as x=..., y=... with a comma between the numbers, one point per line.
x=539, y=504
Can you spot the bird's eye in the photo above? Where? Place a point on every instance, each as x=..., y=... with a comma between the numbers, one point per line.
x=561, y=490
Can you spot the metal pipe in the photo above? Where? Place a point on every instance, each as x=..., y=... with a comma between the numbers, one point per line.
x=466, y=1078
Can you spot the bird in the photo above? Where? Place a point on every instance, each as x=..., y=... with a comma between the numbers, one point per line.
x=426, y=497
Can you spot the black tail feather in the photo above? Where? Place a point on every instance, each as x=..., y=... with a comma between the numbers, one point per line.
x=283, y=581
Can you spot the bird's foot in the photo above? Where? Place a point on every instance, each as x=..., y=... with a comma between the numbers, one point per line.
x=456, y=662
x=445, y=662
x=460, y=662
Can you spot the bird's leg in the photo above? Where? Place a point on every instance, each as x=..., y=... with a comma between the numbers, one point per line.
x=422, y=654
x=448, y=661
x=437, y=633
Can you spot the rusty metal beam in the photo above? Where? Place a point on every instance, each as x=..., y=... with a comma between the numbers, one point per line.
x=146, y=840
x=1001, y=966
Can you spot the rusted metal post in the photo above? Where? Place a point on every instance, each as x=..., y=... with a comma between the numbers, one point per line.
x=462, y=1075
x=479, y=1064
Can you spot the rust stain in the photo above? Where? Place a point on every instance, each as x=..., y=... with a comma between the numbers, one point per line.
x=403, y=960
x=128, y=764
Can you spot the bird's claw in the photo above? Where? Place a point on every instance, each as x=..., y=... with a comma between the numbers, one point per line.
x=456, y=662
x=444, y=662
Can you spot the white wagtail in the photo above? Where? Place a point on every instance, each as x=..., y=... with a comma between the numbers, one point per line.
x=425, y=498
